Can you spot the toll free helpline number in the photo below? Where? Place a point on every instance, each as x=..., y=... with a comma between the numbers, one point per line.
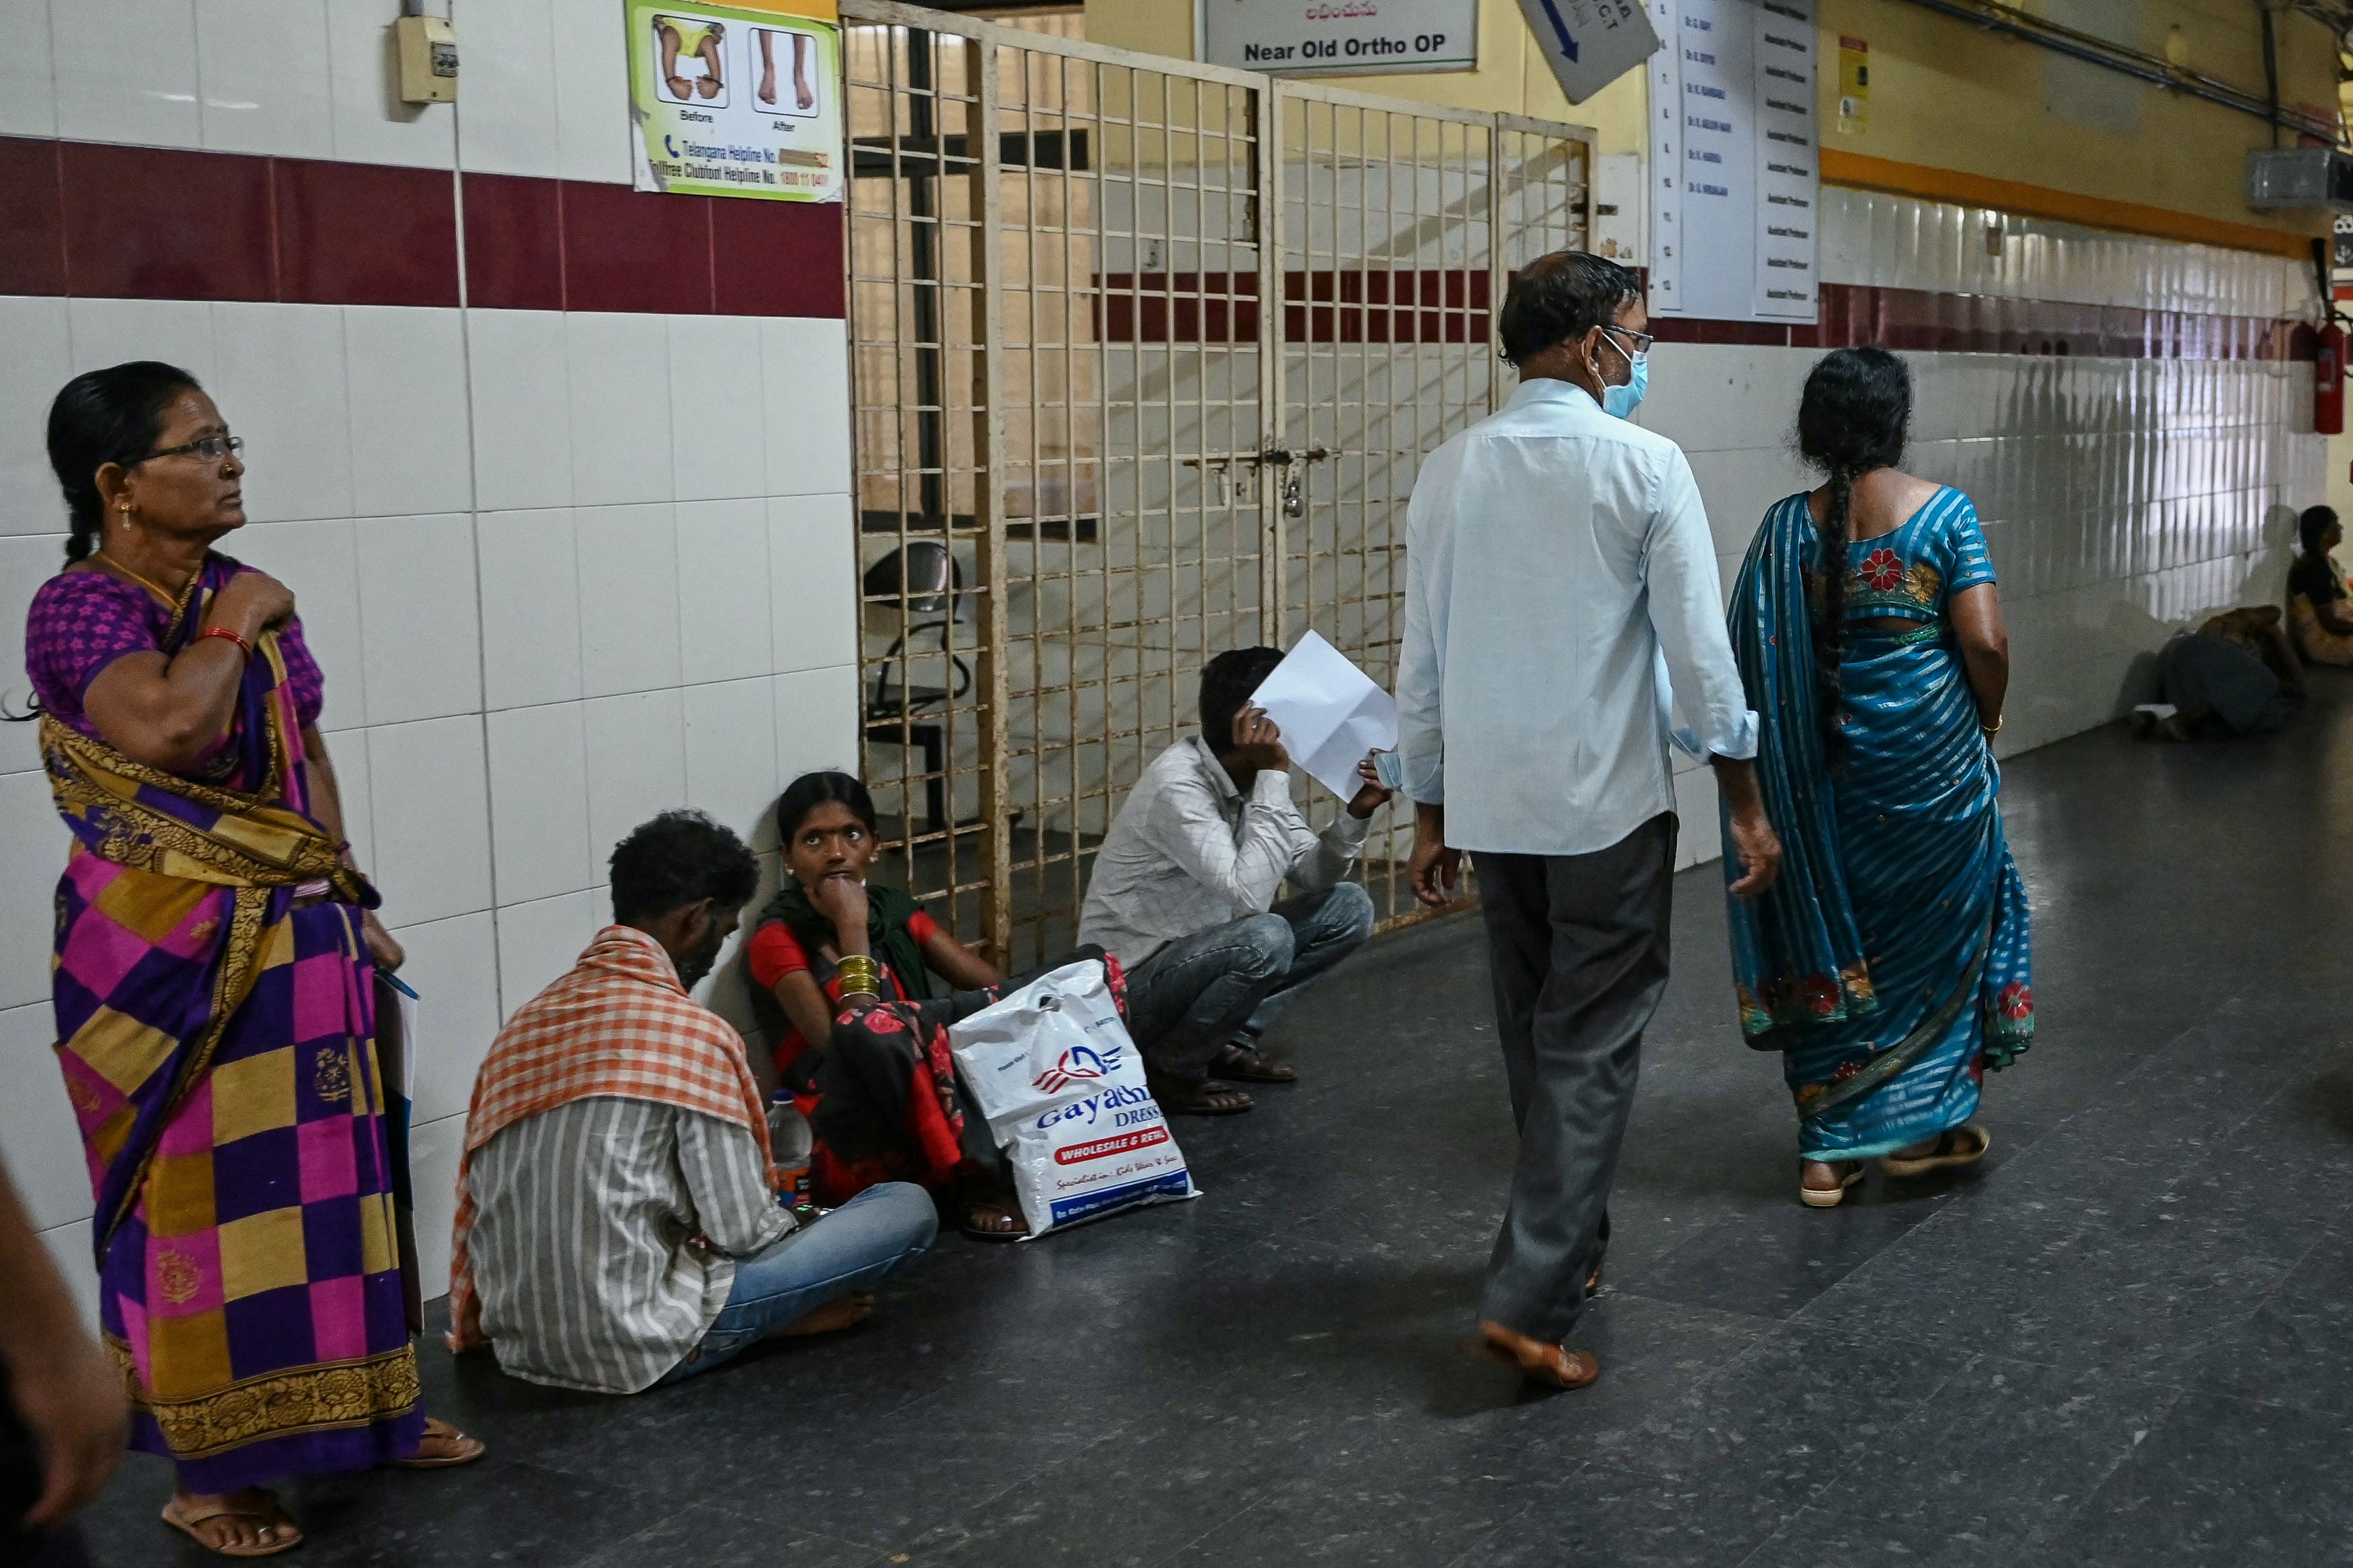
x=1343, y=48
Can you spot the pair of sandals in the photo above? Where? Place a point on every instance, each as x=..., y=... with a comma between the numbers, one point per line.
x=1218, y=1092
x=1956, y=1146
x=443, y=1447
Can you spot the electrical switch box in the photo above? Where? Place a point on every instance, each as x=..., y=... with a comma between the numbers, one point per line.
x=428, y=60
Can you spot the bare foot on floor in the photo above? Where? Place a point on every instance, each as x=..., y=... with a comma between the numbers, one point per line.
x=843, y=1312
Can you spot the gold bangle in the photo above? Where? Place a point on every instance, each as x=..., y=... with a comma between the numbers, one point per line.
x=1992, y=729
x=859, y=974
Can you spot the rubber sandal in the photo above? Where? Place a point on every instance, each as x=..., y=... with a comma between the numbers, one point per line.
x=1537, y=1362
x=1004, y=1204
x=1828, y=1197
x=1250, y=1065
x=290, y=1534
x=1191, y=1096
x=466, y=1450
x=1944, y=1155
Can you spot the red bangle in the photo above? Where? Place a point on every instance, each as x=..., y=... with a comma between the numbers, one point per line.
x=232, y=636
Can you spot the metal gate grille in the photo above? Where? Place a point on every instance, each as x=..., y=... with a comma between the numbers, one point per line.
x=1145, y=355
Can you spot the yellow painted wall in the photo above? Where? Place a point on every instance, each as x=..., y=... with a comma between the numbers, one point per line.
x=1944, y=94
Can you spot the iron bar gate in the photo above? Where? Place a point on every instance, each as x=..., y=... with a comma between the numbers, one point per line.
x=1145, y=357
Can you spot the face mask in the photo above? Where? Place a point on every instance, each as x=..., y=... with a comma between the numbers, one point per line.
x=1619, y=402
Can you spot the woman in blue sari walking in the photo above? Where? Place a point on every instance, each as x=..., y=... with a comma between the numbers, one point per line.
x=1889, y=965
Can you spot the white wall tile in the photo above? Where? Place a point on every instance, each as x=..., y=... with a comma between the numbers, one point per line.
x=629, y=633
x=319, y=560
x=433, y=1150
x=27, y=561
x=506, y=112
x=717, y=432
x=637, y=764
x=538, y=802
x=37, y=1130
x=731, y=754
x=371, y=124
x=29, y=96
x=126, y=72
x=419, y=616
x=804, y=364
x=522, y=418
x=817, y=721
x=347, y=751
x=453, y=966
x=592, y=75
x=813, y=568
x=33, y=847
x=410, y=451
x=69, y=1247
x=281, y=385
x=262, y=66
x=530, y=607
x=112, y=331
x=431, y=810
x=620, y=438
x=40, y=360
x=722, y=585
x=538, y=942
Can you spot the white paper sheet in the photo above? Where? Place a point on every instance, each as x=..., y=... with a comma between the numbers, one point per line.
x=1329, y=711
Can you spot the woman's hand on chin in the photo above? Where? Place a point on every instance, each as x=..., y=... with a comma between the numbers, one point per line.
x=841, y=898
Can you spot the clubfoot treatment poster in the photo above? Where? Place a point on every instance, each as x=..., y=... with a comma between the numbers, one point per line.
x=737, y=100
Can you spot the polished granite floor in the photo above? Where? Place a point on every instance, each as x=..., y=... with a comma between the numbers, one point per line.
x=2129, y=1340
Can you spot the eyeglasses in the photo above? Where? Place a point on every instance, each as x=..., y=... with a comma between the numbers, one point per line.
x=211, y=448
x=1642, y=341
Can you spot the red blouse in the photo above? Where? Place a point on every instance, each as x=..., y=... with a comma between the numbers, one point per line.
x=774, y=953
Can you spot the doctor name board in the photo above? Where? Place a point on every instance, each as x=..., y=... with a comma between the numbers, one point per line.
x=1339, y=38
x=1733, y=176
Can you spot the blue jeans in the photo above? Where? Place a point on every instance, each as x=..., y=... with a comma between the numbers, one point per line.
x=1188, y=1000
x=875, y=1234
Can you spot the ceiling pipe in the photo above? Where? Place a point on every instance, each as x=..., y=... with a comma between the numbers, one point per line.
x=1996, y=17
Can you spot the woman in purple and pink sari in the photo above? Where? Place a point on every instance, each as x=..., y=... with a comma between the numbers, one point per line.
x=214, y=983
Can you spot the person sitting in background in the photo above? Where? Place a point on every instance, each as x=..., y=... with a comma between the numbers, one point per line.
x=615, y=1224
x=2236, y=670
x=882, y=1102
x=1183, y=895
x=2318, y=603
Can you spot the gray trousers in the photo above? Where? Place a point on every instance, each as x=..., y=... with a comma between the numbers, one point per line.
x=1190, y=1000
x=1578, y=948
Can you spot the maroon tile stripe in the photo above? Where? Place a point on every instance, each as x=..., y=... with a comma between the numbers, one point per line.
x=148, y=222
x=1450, y=305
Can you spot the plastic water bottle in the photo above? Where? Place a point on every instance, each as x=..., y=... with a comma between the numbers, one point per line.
x=789, y=1142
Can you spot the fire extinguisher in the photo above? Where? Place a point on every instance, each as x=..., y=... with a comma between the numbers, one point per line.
x=2328, y=382
x=2329, y=358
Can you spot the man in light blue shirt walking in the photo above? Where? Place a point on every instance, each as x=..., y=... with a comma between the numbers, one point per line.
x=1561, y=603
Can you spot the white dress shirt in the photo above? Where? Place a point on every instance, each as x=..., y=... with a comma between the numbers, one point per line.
x=1190, y=851
x=1561, y=600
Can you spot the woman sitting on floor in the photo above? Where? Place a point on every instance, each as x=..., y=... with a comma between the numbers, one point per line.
x=2318, y=603
x=2235, y=671
x=882, y=1099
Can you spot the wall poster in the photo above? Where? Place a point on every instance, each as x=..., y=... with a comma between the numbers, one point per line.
x=1735, y=178
x=1339, y=38
x=737, y=100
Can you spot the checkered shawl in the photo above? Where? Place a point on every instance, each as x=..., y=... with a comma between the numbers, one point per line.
x=619, y=1024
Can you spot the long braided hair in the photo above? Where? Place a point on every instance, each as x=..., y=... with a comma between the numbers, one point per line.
x=1857, y=407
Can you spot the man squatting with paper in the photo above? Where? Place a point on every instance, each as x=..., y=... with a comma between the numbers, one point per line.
x=1561, y=597
x=1183, y=895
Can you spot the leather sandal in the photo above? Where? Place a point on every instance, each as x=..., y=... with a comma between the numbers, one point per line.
x=1191, y=1096
x=1537, y=1361
x=1250, y=1065
x=455, y=1448
x=284, y=1534
x=1950, y=1149
x=977, y=1204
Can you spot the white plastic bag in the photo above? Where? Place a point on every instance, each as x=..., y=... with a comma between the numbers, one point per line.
x=1064, y=1090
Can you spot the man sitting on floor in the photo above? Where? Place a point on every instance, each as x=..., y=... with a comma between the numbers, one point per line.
x=1183, y=894
x=616, y=1227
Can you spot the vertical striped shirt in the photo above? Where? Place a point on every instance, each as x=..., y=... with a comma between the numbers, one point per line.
x=581, y=1242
